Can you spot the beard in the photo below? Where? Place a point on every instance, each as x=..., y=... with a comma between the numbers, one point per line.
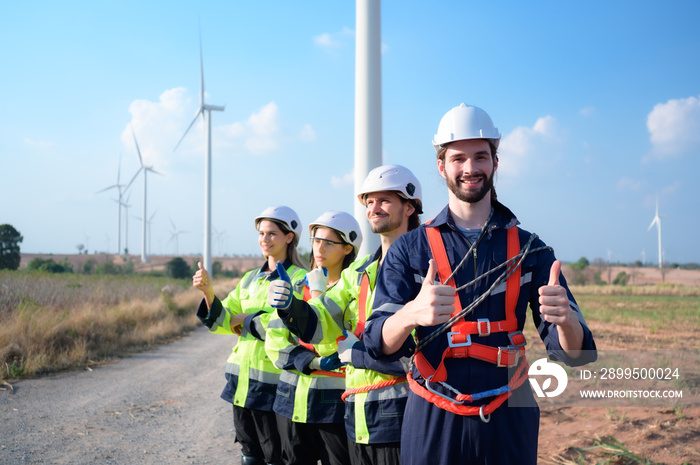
x=469, y=196
x=385, y=224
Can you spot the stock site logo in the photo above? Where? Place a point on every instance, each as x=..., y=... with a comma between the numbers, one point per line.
x=543, y=368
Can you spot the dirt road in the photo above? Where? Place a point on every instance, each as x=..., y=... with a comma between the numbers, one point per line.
x=156, y=407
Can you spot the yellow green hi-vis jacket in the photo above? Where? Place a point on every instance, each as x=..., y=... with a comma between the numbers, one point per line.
x=251, y=377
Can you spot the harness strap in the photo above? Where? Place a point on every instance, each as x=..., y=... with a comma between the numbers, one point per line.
x=362, y=306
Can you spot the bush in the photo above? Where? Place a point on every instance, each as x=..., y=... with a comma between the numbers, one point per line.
x=177, y=268
x=621, y=279
x=108, y=268
x=49, y=265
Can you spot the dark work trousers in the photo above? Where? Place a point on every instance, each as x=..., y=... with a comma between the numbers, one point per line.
x=375, y=454
x=256, y=431
x=307, y=443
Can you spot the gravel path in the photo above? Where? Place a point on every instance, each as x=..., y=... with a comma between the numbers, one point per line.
x=156, y=407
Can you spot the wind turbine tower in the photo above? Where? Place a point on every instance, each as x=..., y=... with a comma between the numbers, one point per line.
x=119, y=208
x=657, y=221
x=145, y=169
x=204, y=110
x=368, y=105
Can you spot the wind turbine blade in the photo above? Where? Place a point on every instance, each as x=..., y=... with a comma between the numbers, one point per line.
x=201, y=71
x=173, y=224
x=137, y=146
x=132, y=179
x=653, y=222
x=154, y=171
x=201, y=109
x=154, y=214
x=107, y=188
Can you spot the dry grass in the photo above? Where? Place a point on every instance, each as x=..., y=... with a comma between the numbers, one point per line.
x=56, y=322
x=662, y=289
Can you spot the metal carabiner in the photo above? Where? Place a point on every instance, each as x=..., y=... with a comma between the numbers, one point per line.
x=485, y=419
x=454, y=401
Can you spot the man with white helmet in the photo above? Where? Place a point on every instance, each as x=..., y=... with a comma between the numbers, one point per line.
x=251, y=377
x=444, y=298
x=376, y=392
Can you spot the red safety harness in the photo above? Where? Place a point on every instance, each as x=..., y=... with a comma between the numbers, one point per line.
x=461, y=345
x=359, y=332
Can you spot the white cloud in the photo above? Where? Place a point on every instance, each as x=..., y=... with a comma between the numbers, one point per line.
x=587, y=111
x=158, y=126
x=342, y=181
x=258, y=134
x=674, y=127
x=526, y=146
x=630, y=184
x=307, y=133
x=333, y=40
x=326, y=40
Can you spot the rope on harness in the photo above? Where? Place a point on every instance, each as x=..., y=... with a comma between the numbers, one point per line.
x=371, y=387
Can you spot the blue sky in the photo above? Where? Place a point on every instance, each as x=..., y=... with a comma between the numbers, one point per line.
x=598, y=103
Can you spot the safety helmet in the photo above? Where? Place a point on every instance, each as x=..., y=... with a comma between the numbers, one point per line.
x=284, y=215
x=343, y=223
x=465, y=122
x=392, y=178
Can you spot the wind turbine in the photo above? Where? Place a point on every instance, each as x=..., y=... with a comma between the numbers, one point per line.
x=119, y=207
x=657, y=221
x=205, y=111
x=145, y=169
x=176, y=234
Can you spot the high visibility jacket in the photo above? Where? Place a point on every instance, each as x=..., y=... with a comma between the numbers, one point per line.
x=252, y=377
x=376, y=390
x=303, y=395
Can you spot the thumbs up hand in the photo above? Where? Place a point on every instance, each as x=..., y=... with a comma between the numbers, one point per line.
x=554, y=301
x=433, y=304
x=279, y=295
x=201, y=279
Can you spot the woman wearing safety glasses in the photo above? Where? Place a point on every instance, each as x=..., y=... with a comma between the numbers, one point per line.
x=308, y=404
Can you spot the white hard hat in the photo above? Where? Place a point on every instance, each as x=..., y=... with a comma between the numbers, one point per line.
x=284, y=215
x=465, y=122
x=392, y=178
x=343, y=223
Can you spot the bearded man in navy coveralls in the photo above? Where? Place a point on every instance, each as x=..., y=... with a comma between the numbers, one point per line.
x=408, y=300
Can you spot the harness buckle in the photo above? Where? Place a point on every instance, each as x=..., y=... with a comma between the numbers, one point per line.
x=517, y=339
x=458, y=344
x=480, y=322
x=507, y=351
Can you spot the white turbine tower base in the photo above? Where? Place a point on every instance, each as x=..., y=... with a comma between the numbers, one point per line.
x=204, y=110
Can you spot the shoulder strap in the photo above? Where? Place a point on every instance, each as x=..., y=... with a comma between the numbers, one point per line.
x=362, y=306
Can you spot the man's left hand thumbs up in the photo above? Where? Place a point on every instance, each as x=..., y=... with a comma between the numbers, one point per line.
x=554, y=301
